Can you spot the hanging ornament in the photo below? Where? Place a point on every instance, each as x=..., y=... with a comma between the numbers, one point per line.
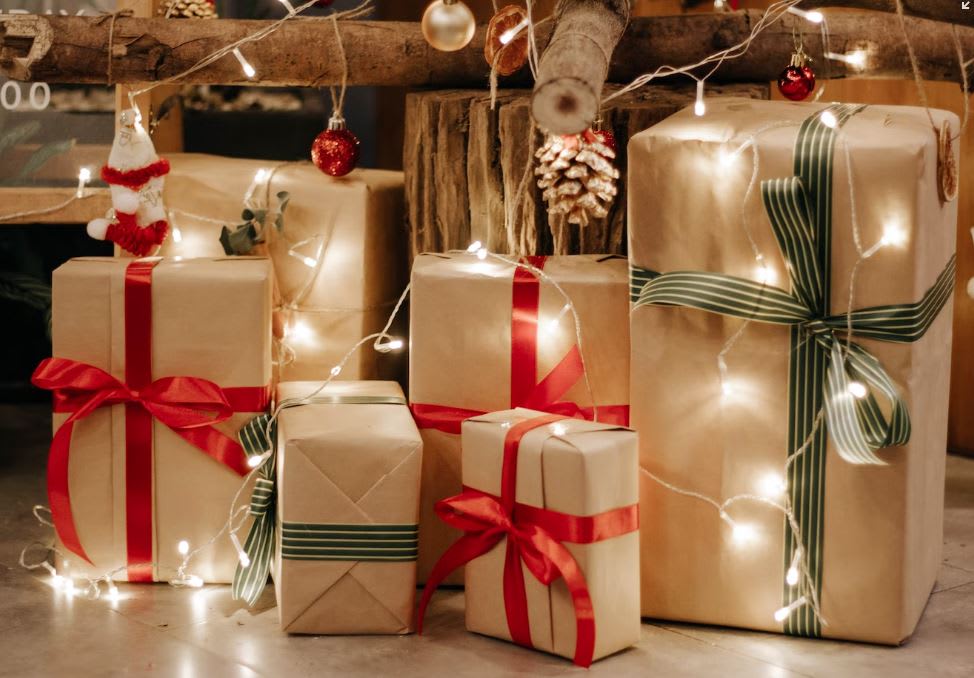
x=506, y=44
x=577, y=176
x=797, y=81
x=137, y=221
x=448, y=25
x=335, y=151
x=188, y=9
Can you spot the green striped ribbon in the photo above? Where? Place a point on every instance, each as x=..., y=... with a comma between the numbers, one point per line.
x=257, y=437
x=311, y=541
x=823, y=360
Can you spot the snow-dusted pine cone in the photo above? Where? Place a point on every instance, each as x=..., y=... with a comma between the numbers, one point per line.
x=188, y=9
x=577, y=176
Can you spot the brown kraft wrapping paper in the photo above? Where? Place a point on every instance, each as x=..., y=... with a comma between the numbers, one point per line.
x=345, y=465
x=211, y=318
x=460, y=353
x=358, y=221
x=584, y=470
x=881, y=539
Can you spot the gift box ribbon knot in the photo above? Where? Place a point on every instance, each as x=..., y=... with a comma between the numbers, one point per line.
x=534, y=536
x=189, y=406
x=823, y=359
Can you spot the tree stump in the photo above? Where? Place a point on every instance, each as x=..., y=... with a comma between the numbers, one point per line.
x=465, y=163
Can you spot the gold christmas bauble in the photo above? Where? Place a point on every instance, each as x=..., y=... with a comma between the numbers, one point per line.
x=448, y=25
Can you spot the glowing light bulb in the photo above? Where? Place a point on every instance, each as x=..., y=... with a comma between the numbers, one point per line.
x=511, y=33
x=482, y=253
x=743, y=533
x=814, y=16
x=474, y=246
x=558, y=429
x=893, y=235
x=772, y=485
x=183, y=547
x=856, y=58
x=726, y=388
x=857, y=389
x=336, y=370
x=310, y=262
x=241, y=554
x=791, y=578
x=765, y=275
x=70, y=588
x=289, y=7
x=194, y=581
x=782, y=613
x=726, y=158
x=244, y=64
x=57, y=581
x=113, y=595
x=699, y=106
x=177, y=235
x=300, y=331
x=84, y=176
x=261, y=175
x=395, y=344
x=828, y=119
x=254, y=461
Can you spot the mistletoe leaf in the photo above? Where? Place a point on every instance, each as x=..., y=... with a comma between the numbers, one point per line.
x=247, y=215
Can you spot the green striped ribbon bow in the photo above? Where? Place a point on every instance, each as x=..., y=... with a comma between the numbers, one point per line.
x=257, y=437
x=824, y=360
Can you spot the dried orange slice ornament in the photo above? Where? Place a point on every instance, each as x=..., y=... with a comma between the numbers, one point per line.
x=506, y=46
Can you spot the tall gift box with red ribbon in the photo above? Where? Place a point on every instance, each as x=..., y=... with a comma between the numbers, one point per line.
x=550, y=540
x=486, y=335
x=157, y=363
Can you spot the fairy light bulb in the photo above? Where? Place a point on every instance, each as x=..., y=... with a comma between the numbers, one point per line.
x=254, y=461
x=112, y=595
x=772, y=485
x=699, y=107
x=828, y=119
x=792, y=576
x=57, y=581
x=511, y=33
x=84, y=176
x=177, y=235
x=482, y=253
x=241, y=554
x=193, y=581
x=248, y=70
x=391, y=345
x=765, y=275
x=782, y=613
x=336, y=370
x=70, y=588
x=893, y=236
x=814, y=16
x=300, y=331
x=558, y=429
x=261, y=175
x=857, y=389
x=182, y=547
x=474, y=246
x=856, y=58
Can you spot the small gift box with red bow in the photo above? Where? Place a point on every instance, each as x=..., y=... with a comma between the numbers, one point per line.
x=157, y=364
x=486, y=335
x=549, y=522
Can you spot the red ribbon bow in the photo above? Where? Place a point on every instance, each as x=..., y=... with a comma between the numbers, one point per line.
x=534, y=536
x=526, y=391
x=187, y=405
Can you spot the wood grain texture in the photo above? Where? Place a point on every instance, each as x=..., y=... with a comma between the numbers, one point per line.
x=465, y=164
x=60, y=49
x=20, y=199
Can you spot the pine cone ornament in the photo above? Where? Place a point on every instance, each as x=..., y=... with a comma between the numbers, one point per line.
x=577, y=176
x=188, y=9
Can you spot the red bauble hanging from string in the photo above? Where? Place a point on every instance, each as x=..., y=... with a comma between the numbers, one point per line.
x=797, y=81
x=336, y=150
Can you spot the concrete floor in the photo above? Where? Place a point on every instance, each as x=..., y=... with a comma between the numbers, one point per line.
x=168, y=632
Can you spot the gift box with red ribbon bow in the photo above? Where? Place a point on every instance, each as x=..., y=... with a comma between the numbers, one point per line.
x=157, y=363
x=487, y=336
x=549, y=522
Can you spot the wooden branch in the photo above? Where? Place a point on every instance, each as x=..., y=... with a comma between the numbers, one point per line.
x=573, y=68
x=63, y=49
x=942, y=10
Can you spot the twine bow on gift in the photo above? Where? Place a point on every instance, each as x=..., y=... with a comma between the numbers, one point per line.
x=534, y=536
x=187, y=405
x=824, y=360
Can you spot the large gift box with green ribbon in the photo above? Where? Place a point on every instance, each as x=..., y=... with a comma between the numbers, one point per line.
x=336, y=509
x=792, y=270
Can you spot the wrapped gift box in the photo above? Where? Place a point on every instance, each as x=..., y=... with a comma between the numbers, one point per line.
x=129, y=479
x=569, y=489
x=485, y=338
x=348, y=471
x=870, y=535
x=355, y=220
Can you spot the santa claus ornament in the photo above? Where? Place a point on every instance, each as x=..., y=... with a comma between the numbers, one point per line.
x=137, y=221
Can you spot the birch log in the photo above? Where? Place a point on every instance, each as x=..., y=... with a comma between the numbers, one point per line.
x=576, y=62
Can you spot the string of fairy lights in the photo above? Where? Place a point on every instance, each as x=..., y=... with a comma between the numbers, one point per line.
x=771, y=489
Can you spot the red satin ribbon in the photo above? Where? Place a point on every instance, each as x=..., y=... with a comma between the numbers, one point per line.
x=526, y=391
x=534, y=537
x=187, y=405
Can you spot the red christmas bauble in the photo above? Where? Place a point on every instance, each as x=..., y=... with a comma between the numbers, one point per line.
x=796, y=82
x=335, y=152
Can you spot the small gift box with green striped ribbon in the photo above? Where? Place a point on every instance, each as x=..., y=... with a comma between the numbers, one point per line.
x=336, y=510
